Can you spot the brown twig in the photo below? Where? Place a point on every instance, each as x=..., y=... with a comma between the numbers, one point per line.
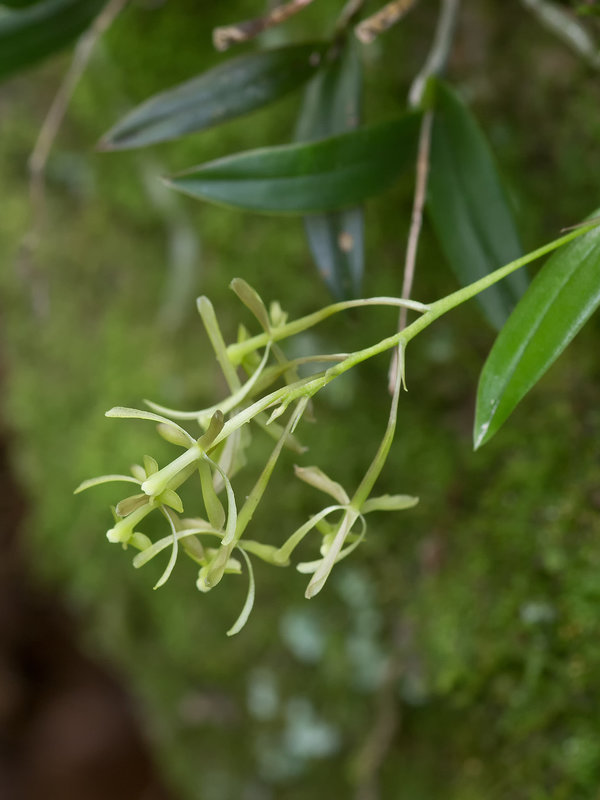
x=225, y=37
x=368, y=30
x=379, y=738
x=417, y=210
x=434, y=65
x=26, y=267
x=54, y=118
x=580, y=224
x=415, y=226
x=439, y=52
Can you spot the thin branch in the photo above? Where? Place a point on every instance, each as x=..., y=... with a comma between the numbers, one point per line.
x=380, y=737
x=414, y=233
x=562, y=23
x=580, y=224
x=417, y=211
x=225, y=37
x=54, y=118
x=389, y=15
x=348, y=13
x=27, y=269
x=440, y=50
x=435, y=63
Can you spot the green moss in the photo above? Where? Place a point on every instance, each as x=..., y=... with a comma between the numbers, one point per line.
x=488, y=589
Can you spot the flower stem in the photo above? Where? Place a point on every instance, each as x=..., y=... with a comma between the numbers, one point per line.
x=307, y=387
x=441, y=307
x=236, y=352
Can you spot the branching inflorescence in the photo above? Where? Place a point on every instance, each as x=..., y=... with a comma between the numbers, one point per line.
x=217, y=539
x=274, y=397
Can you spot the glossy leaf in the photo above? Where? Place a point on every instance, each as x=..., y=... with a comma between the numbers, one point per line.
x=332, y=104
x=305, y=178
x=468, y=206
x=559, y=301
x=236, y=87
x=30, y=34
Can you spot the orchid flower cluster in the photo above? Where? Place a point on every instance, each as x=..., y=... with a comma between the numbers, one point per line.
x=216, y=540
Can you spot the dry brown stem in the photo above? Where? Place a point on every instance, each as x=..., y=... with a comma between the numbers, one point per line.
x=368, y=30
x=56, y=113
x=416, y=224
x=225, y=37
x=26, y=266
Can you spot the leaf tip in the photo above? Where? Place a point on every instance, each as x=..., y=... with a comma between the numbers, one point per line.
x=104, y=144
x=481, y=434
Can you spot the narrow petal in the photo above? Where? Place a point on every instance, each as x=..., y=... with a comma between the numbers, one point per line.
x=104, y=479
x=245, y=613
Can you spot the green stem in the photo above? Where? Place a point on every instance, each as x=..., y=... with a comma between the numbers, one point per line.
x=455, y=299
x=436, y=310
x=441, y=307
x=304, y=387
x=161, y=480
x=254, y=498
x=371, y=475
x=236, y=352
x=307, y=387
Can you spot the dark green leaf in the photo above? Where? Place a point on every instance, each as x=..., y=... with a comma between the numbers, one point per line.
x=31, y=34
x=468, y=207
x=559, y=301
x=333, y=99
x=332, y=104
x=236, y=87
x=336, y=241
x=18, y=3
x=308, y=178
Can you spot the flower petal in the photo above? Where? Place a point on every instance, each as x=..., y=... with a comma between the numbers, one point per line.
x=317, y=478
x=245, y=613
x=104, y=479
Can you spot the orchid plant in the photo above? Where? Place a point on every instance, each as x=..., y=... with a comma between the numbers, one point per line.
x=263, y=380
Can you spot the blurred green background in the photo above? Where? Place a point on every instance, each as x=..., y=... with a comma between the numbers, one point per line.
x=456, y=654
